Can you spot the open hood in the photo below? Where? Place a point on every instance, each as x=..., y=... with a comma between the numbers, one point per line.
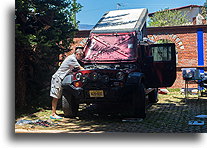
x=110, y=47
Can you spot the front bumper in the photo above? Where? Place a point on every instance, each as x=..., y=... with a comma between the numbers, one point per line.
x=111, y=94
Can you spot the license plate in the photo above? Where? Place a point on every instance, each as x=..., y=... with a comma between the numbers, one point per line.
x=96, y=93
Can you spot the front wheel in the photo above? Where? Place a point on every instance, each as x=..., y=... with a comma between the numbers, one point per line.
x=139, y=102
x=69, y=106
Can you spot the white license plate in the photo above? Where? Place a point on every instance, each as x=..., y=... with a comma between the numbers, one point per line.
x=96, y=93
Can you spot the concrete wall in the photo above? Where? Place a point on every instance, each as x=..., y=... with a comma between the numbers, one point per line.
x=191, y=12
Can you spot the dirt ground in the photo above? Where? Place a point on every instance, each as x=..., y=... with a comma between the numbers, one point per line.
x=170, y=115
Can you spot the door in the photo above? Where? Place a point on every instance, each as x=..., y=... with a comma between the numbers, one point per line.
x=159, y=65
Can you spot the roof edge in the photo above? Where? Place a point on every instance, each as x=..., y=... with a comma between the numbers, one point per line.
x=178, y=8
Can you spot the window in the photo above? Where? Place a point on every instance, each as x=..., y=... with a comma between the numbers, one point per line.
x=161, y=53
x=162, y=41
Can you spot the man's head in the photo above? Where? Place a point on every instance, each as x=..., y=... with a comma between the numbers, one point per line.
x=79, y=53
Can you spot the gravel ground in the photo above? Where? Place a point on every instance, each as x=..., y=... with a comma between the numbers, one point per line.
x=170, y=115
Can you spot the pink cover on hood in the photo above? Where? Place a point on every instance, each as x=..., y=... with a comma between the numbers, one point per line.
x=109, y=47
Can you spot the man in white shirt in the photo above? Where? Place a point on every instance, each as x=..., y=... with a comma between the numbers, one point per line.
x=70, y=62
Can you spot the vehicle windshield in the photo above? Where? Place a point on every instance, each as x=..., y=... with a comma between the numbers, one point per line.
x=108, y=47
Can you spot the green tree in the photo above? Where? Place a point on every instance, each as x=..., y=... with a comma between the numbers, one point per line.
x=204, y=11
x=168, y=18
x=43, y=28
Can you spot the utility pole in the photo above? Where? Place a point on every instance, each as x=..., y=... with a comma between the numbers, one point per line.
x=118, y=5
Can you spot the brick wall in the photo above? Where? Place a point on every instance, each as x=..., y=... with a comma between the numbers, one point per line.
x=185, y=39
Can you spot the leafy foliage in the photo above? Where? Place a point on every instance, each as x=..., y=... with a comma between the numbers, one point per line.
x=168, y=18
x=163, y=41
x=204, y=11
x=43, y=29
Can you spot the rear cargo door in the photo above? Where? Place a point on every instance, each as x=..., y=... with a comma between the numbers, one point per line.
x=160, y=71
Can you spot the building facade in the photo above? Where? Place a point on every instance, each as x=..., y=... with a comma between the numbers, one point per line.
x=193, y=14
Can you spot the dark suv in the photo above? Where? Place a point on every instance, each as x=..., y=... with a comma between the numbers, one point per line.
x=120, y=68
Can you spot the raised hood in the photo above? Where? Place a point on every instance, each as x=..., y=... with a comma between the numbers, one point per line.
x=110, y=48
x=115, y=36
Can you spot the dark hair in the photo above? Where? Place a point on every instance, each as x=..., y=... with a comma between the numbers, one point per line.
x=67, y=50
x=79, y=47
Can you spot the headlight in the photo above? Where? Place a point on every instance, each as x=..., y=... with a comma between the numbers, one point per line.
x=120, y=75
x=78, y=76
x=105, y=79
x=84, y=78
x=94, y=76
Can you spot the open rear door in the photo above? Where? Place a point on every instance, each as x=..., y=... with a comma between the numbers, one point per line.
x=161, y=70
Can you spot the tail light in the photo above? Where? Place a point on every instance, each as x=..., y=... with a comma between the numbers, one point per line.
x=77, y=79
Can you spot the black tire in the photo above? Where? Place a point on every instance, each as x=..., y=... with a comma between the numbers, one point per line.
x=153, y=96
x=69, y=106
x=139, y=102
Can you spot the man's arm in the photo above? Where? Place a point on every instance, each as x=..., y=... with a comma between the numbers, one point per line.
x=81, y=68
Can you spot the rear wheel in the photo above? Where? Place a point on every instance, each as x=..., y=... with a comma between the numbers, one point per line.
x=139, y=102
x=69, y=106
